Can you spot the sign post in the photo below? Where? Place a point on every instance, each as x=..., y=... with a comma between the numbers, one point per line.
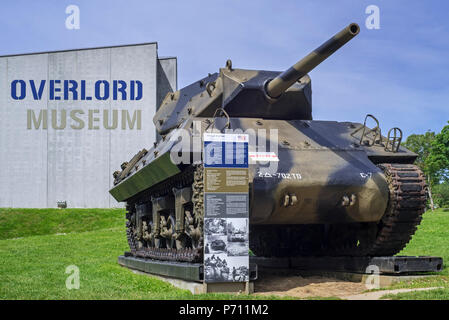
x=226, y=207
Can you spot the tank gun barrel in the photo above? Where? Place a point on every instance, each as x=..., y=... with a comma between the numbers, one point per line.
x=286, y=79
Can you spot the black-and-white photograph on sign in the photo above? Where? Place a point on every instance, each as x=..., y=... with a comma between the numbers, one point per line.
x=215, y=244
x=221, y=268
x=216, y=268
x=238, y=269
x=215, y=226
x=237, y=236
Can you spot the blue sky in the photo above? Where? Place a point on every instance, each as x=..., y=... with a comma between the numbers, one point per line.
x=399, y=73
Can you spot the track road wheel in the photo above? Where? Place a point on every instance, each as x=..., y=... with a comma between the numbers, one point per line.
x=181, y=242
x=168, y=232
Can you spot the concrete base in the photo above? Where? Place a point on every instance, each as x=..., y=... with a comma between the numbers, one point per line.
x=383, y=265
x=230, y=287
x=192, y=286
x=382, y=281
x=177, y=270
x=187, y=276
x=201, y=287
x=190, y=276
x=389, y=270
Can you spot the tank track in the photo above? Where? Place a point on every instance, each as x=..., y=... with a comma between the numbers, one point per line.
x=407, y=202
x=192, y=176
x=408, y=197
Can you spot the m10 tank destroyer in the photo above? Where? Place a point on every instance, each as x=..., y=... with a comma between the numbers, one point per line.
x=340, y=188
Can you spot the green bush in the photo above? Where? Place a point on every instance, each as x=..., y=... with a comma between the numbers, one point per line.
x=440, y=194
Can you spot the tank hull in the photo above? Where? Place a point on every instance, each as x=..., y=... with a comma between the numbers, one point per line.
x=318, y=189
x=318, y=166
x=315, y=187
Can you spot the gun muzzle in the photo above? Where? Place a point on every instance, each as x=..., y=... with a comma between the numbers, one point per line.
x=286, y=79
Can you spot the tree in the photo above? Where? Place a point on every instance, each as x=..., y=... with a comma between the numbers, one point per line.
x=441, y=194
x=421, y=144
x=438, y=160
x=433, y=159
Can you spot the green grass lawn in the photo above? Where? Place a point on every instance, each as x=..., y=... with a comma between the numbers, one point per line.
x=431, y=239
x=16, y=223
x=36, y=246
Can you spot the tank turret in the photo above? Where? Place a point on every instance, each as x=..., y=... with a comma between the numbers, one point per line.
x=251, y=93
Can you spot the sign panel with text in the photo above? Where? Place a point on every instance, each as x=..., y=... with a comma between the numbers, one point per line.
x=226, y=202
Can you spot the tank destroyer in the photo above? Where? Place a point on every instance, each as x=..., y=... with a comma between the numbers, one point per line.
x=339, y=188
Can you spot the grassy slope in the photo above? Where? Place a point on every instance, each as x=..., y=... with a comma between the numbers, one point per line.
x=431, y=239
x=30, y=222
x=33, y=267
